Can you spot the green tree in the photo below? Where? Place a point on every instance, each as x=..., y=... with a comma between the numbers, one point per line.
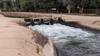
x=27, y=5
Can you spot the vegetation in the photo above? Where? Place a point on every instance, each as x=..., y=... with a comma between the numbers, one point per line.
x=78, y=6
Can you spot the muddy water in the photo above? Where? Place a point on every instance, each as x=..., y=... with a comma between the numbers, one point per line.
x=71, y=41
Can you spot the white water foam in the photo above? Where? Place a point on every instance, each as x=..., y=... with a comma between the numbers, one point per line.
x=61, y=33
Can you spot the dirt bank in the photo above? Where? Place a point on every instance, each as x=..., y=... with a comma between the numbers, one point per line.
x=16, y=40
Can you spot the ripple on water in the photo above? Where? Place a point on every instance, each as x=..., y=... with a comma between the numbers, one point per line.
x=71, y=41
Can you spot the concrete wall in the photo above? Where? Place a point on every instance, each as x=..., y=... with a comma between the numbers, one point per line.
x=89, y=21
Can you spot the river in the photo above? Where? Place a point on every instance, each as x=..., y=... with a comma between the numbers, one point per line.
x=71, y=41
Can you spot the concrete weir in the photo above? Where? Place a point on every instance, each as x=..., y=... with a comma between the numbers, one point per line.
x=87, y=21
x=42, y=44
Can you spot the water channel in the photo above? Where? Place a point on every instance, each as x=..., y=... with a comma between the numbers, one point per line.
x=71, y=41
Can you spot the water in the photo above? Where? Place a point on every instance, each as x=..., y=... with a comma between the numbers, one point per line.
x=71, y=41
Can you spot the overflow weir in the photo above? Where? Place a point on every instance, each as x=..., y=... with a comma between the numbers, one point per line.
x=51, y=23
x=86, y=21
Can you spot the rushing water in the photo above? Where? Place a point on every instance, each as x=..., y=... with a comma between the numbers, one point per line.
x=71, y=41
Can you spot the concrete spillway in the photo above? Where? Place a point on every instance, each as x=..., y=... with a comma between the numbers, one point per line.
x=70, y=41
x=88, y=21
x=18, y=40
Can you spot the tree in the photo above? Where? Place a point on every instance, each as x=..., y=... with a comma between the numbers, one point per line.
x=27, y=5
x=46, y=5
